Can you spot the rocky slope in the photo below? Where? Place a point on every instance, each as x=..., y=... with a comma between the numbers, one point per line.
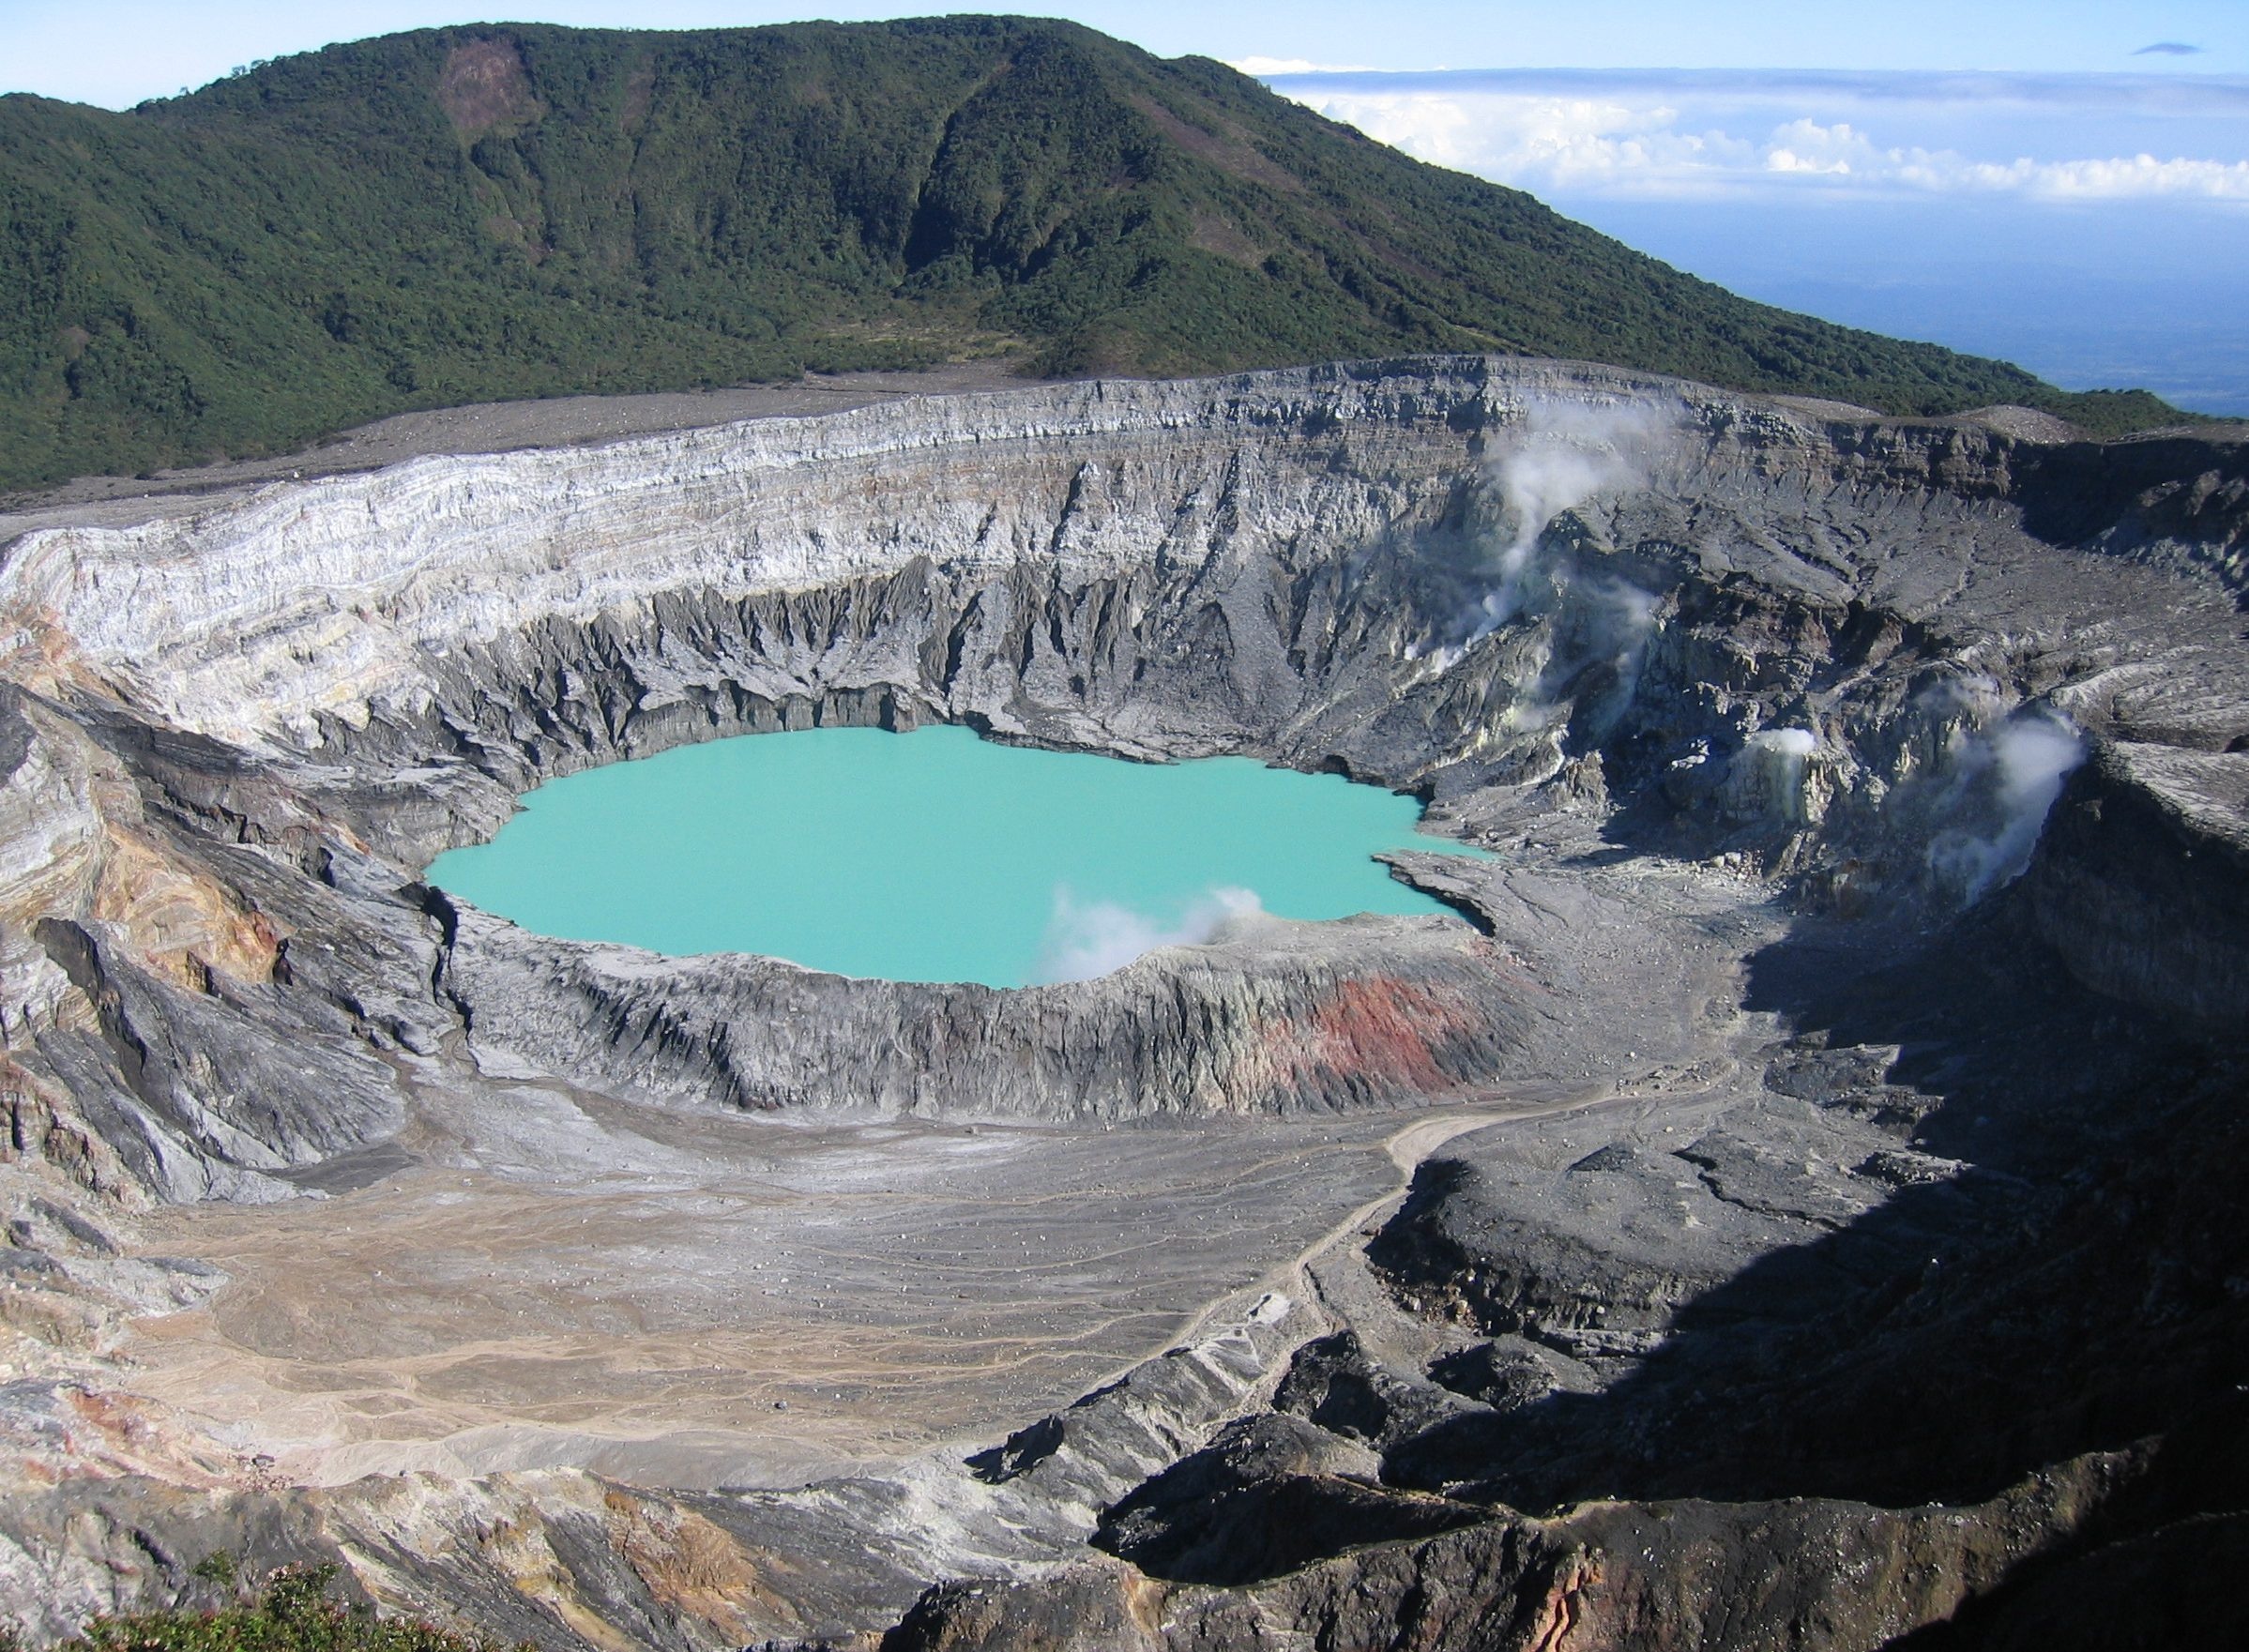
x=1846, y=1043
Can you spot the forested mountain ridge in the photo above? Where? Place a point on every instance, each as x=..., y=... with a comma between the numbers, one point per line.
x=500, y=211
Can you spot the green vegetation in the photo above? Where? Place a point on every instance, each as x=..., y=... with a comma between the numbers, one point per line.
x=503, y=211
x=294, y=1613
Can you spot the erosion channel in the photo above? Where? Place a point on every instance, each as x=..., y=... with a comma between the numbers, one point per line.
x=1781, y=1192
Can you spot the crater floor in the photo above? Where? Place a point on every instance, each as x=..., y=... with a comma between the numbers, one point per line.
x=555, y=1280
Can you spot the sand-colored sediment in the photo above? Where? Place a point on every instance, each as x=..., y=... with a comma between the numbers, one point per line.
x=718, y=1299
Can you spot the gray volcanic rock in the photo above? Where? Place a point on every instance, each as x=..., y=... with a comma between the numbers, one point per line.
x=1808, y=1574
x=1276, y=1017
x=1816, y=1219
x=1332, y=1383
x=2143, y=884
x=1510, y=1371
x=1268, y=1496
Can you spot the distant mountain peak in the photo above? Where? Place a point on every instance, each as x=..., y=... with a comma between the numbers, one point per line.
x=487, y=212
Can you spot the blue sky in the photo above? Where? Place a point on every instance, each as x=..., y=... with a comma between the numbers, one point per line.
x=116, y=51
x=2064, y=183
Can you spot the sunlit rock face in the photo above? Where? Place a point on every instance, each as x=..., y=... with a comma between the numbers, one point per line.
x=1753, y=699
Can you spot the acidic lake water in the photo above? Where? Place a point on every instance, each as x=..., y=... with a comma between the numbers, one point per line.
x=932, y=856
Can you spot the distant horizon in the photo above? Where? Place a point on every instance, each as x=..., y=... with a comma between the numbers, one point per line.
x=2090, y=227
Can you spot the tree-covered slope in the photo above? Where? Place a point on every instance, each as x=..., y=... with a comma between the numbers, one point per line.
x=514, y=210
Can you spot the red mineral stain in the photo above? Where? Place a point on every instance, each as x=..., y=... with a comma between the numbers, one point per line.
x=1376, y=1027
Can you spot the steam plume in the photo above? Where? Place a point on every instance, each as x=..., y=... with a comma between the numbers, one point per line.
x=1564, y=453
x=1766, y=777
x=1794, y=744
x=2021, y=765
x=1089, y=938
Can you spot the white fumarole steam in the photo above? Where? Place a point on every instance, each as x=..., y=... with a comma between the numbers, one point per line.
x=1563, y=454
x=1793, y=744
x=1560, y=455
x=1769, y=772
x=1089, y=938
x=2023, y=762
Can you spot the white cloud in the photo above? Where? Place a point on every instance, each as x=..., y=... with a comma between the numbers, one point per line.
x=1540, y=142
x=2121, y=177
x=1839, y=151
x=1265, y=68
x=1627, y=138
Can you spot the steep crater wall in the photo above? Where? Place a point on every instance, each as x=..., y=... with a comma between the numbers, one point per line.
x=1754, y=634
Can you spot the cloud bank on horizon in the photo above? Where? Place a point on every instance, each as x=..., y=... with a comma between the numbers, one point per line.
x=1666, y=135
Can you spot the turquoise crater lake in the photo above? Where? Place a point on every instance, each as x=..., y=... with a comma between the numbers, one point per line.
x=932, y=856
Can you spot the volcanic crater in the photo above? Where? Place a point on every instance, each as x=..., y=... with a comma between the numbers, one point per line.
x=1786, y=1200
